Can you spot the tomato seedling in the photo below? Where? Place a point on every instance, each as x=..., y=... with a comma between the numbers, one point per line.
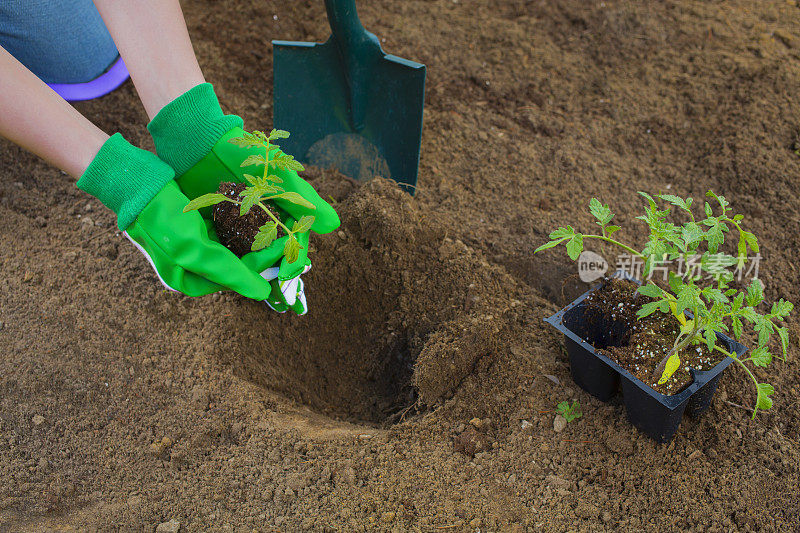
x=263, y=190
x=701, y=300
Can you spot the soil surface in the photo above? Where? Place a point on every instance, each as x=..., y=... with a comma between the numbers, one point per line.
x=124, y=406
x=643, y=344
x=235, y=231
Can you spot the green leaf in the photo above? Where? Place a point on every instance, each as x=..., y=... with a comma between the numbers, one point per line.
x=764, y=328
x=741, y=251
x=752, y=241
x=562, y=233
x=601, y=212
x=723, y=203
x=708, y=210
x=250, y=179
x=205, y=201
x=763, y=401
x=737, y=327
x=654, y=251
x=649, y=200
x=784, y=335
x=611, y=229
x=715, y=235
x=781, y=308
x=677, y=201
x=274, y=178
x=687, y=298
x=673, y=363
x=266, y=235
x=651, y=289
x=549, y=244
x=713, y=294
x=292, y=249
x=649, y=308
x=570, y=413
x=278, y=134
x=285, y=162
x=692, y=234
x=296, y=199
x=675, y=282
x=749, y=314
x=737, y=302
x=260, y=135
x=755, y=293
x=249, y=197
x=251, y=160
x=761, y=356
x=575, y=246
x=248, y=140
x=304, y=224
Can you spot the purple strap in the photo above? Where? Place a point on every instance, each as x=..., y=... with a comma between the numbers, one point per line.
x=100, y=86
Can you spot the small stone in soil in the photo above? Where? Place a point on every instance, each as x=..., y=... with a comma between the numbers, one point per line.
x=37, y=420
x=557, y=482
x=695, y=454
x=173, y=526
x=559, y=423
x=160, y=448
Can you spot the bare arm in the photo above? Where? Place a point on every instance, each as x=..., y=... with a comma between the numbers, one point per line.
x=37, y=119
x=152, y=39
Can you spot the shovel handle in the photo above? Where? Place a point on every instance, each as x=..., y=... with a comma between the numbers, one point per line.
x=359, y=51
x=345, y=24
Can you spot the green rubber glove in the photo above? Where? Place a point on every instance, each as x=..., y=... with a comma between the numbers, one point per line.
x=191, y=134
x=141, y=190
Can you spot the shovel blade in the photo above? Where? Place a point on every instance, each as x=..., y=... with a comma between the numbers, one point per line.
x=312, y=101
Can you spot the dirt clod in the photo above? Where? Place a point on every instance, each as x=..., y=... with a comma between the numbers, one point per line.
x=472, y=442
x=237, y=232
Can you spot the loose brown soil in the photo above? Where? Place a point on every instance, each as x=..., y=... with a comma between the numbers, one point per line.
x=235, y=231
x=123, y=406
x=645, y=342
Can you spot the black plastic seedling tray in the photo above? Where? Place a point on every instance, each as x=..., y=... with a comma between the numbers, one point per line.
x=655, y=414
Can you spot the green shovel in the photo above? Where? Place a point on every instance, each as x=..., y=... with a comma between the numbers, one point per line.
x=349, y=105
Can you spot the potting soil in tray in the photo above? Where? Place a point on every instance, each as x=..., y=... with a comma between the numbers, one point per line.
x=644, y=342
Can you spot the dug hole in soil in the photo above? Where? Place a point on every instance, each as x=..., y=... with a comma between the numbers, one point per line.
x=401, y=313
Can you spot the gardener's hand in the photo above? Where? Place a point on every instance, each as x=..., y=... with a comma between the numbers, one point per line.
x=141, y=190
x=191, y=134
